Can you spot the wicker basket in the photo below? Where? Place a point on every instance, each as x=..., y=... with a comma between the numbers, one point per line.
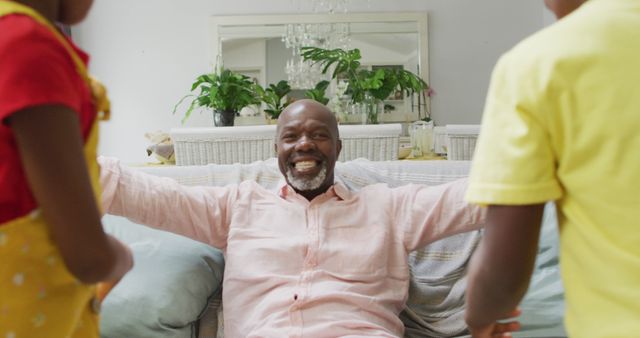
x=223, y=145
x=375, y=142
x=440, y=140
x=461, y=141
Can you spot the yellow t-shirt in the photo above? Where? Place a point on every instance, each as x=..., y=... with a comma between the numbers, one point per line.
x=562, y=122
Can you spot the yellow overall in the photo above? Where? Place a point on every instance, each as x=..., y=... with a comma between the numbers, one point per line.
x=38, y=295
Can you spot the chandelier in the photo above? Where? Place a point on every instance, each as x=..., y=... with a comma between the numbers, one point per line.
x=303, y=74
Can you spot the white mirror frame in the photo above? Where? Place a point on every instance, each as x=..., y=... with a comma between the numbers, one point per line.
x=218, y=23
x=420, y=18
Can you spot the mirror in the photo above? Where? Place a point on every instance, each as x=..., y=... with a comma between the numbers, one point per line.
x=254, y=46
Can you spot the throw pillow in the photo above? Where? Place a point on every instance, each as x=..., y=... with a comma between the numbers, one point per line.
x=167, y=290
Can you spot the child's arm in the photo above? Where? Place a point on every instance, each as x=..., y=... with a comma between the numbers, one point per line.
x=50, y=145
x=501, y=267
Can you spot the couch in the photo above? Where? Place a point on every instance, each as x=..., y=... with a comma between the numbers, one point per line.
x=174, y=288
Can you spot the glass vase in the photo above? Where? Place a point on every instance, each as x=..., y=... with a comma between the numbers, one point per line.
x=369, y=109
x=421, y=136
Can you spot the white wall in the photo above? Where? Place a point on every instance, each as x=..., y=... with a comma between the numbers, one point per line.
x=547, y=17
x=148, y=52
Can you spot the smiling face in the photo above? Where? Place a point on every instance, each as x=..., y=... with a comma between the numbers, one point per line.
x=308, y=145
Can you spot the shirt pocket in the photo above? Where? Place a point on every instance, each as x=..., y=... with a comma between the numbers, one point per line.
x=356, y=250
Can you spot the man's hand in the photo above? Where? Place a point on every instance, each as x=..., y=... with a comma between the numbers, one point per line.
x=496, y=330
x=123, y=265
x=103, y=289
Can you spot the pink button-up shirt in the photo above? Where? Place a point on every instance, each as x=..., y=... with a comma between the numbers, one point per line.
x=333, y=267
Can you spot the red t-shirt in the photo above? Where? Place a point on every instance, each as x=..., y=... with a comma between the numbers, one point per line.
x=35, y=69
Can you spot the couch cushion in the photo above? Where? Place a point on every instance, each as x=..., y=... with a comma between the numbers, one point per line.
x=435, y=307
x=168, y=288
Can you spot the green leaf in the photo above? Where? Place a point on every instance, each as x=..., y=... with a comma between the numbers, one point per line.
x=274, y=97
x=175, y=108
x=318, y=92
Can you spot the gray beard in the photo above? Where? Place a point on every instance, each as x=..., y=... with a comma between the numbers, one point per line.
x=301, y=184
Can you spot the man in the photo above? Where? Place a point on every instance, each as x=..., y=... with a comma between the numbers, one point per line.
x=312, y=259
x=561, y=123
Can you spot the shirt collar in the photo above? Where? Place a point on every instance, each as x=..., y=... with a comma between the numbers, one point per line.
x=337, y=189
x=341, y=191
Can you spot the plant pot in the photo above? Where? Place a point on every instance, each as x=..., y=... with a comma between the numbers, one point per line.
x=223, y=118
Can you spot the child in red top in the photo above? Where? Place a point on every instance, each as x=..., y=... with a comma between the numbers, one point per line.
x=52, y=245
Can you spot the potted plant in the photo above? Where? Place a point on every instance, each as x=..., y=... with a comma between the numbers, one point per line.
x=368, y=88
x=318, y=92
x=226, y=92
x=274, y=98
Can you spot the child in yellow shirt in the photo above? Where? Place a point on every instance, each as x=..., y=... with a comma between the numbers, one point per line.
x=561, y=124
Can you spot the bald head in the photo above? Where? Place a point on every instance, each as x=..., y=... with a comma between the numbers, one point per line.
x=305, y=109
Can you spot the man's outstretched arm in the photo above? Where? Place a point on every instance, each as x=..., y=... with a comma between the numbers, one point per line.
x=502, y=265
x=198, y=212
